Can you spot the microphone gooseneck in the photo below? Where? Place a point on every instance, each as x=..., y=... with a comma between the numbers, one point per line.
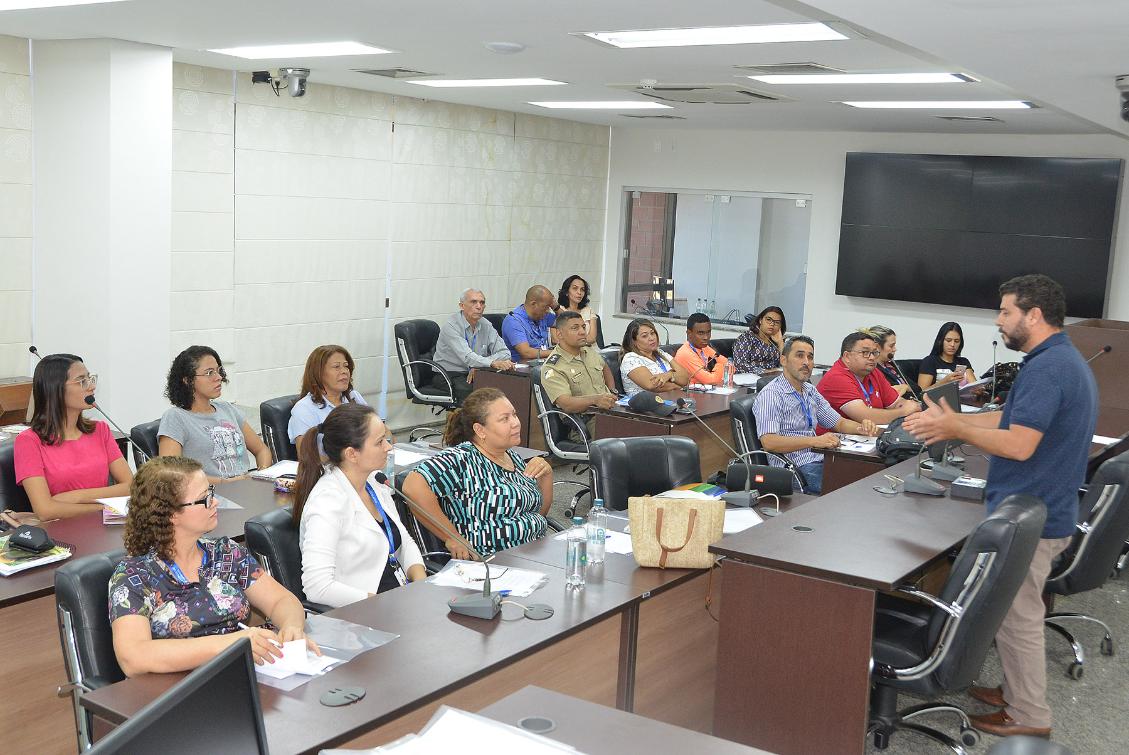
x=94, y=405
x=1103, y=350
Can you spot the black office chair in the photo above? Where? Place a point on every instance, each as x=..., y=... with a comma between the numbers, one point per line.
x=273, y=540
x=910, y=369
x=1103, y=526
x=496, y=319
x=763, y=381
x=724, y=346
x=415, y=347
x=671, y=348
x=274, y=417
x=144, y=437
x=556, y=425
x=744, y=425
x=929, y=649
x=12, y=496
x=600, y=334
x=611, y=356
x=625, y=467
x=81, y=600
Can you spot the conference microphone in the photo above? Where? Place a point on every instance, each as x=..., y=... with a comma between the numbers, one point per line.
x=94, y=405
x=682, y=405
x=1104, y=350
x=489, y=603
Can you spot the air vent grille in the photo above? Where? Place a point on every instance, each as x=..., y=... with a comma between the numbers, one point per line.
x=701, y=94
x=655, y=117
x=785, y=68
x=394, y=73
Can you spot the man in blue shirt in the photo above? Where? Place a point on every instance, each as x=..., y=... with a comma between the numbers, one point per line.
x=1038, y=445
x=526, y=329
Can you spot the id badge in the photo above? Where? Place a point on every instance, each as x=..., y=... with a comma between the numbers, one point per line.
x=400, y=576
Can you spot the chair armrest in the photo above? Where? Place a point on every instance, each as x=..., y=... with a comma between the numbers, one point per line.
x=579, y=425
x=950, y=608
x=447, y=378
x=424, y=432
x=313, y=607
x=555, y=525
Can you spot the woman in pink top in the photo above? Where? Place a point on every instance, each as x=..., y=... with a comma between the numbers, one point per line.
x=64, y=460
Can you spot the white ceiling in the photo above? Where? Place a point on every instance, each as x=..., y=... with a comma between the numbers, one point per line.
x=1061, y=56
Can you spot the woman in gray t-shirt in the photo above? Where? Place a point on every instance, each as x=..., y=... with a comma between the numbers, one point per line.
x=212, y=432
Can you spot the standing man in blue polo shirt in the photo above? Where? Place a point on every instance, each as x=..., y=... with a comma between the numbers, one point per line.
x=1038, y=446
x=526, y=329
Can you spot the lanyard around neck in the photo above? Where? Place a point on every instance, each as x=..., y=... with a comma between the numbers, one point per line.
x=866, y=394
x=387, y=525
x=806, y=408
x=178, y=573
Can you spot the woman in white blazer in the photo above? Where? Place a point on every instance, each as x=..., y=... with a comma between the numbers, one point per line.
x=353, y=542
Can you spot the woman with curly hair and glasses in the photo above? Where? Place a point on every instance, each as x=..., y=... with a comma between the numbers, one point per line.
x=212, y=432
x=178, y=599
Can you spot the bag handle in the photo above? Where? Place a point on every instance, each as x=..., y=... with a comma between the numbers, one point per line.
x=659, y=534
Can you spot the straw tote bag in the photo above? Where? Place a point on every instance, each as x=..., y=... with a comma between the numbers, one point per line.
x=674, y=532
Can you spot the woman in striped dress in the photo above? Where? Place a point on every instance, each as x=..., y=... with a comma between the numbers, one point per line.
x=479, y=487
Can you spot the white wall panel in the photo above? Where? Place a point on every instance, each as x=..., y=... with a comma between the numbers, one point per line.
x=15, y=208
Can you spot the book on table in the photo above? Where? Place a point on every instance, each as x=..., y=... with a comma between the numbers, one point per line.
x=14, y=560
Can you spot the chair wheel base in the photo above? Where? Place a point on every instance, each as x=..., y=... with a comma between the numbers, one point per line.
x=1075, y=670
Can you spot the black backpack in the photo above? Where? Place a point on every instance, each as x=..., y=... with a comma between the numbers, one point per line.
x=897, y=444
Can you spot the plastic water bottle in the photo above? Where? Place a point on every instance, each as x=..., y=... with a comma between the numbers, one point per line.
x=725, y=374
x=576, y=557
x=597, y=531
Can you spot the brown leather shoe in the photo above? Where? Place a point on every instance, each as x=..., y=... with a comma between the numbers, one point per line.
x=993, y=696
x=1002, y=725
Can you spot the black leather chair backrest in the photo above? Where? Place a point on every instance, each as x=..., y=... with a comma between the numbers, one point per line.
x=1093, y=555
x=82, y=590
x=418, y=338
x=1012, y=532
x=145, y=436
x=274, y=417
x=625, y=467
x=910, y=368
x=744, y=424
x=274, y=538
x=12, y=496
x=600, y=333
x=763, y=381
x=496, y=319
x=671, y=348
x=723, y=346
x=611, y=356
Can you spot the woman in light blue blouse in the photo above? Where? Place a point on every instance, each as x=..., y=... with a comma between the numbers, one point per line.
x=479, y=487
x=326, y=384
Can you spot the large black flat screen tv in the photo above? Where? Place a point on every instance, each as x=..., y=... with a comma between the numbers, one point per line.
x=948, y=229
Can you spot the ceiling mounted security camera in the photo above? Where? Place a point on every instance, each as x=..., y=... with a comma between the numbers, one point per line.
x=293, y=78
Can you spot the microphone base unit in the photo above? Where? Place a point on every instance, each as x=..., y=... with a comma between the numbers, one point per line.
x=946, y=472
x=922, y=486
x=477, y=606
x=769, y=511
x=745, y=499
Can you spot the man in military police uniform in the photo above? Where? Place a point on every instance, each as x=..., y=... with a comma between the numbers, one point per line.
x=575, y=377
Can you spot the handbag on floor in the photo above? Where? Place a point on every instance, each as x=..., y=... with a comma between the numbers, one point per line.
x=675, y=532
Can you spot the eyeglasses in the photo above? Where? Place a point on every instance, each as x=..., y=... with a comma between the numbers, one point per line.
x=771, y=321
x=867, y=354
x=212, y=372
x=85, y=382
x=208, y=501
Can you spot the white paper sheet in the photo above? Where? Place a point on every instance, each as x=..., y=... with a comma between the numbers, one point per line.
x=453, y=730
x=469, y=575
x=296, y=659
x=405, y=458
x=858, y=443
x=118, y=504
x=274, y=471
x=614, y=542
x=1104, y=440
x=746, y=379
x=740, y=519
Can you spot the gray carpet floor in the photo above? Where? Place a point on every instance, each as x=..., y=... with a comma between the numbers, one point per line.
x=1091, y=714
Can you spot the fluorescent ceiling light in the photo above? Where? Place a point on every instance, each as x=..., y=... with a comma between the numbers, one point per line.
x=29, y=4
x=302, y=50
x=717, y=35
x=865, y=78
x=604, y=105
x=486, y=82
x=945, y=105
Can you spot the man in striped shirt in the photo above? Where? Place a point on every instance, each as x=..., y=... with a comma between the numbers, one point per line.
x=789, y=409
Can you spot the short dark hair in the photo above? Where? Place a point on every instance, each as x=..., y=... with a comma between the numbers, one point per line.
x=1040, y=291
x=939, y=341
x=695, y=319
x=182, y=374
x=797, y=339
x=853, y=338
x=562, y=295
x=565, y=316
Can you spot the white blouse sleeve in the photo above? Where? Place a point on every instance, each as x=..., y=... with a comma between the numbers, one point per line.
x=323, y=519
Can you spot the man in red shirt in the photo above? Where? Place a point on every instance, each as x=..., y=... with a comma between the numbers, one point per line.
x=700, y=359
x=853, y=390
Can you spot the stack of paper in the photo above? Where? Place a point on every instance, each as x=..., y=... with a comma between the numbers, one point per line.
x=740, y=519
x=614, y=542
x=296, y=659
x=859, y=443
x=275, y=471
x=453, y=730
x=114, y=509
x=13, y=560
x=471, y=575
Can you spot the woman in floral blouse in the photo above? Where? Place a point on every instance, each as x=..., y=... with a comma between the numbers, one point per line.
x=179, y=598
x=758, y=348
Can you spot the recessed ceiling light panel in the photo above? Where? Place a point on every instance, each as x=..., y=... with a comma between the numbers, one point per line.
x=865, y=78
x=31, y=4
x=302, y=50
x=716, y=35
x=603, y=105
x=944, y=105
x=454, y=83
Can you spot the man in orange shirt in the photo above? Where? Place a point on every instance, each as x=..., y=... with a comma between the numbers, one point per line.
x=700, y=359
